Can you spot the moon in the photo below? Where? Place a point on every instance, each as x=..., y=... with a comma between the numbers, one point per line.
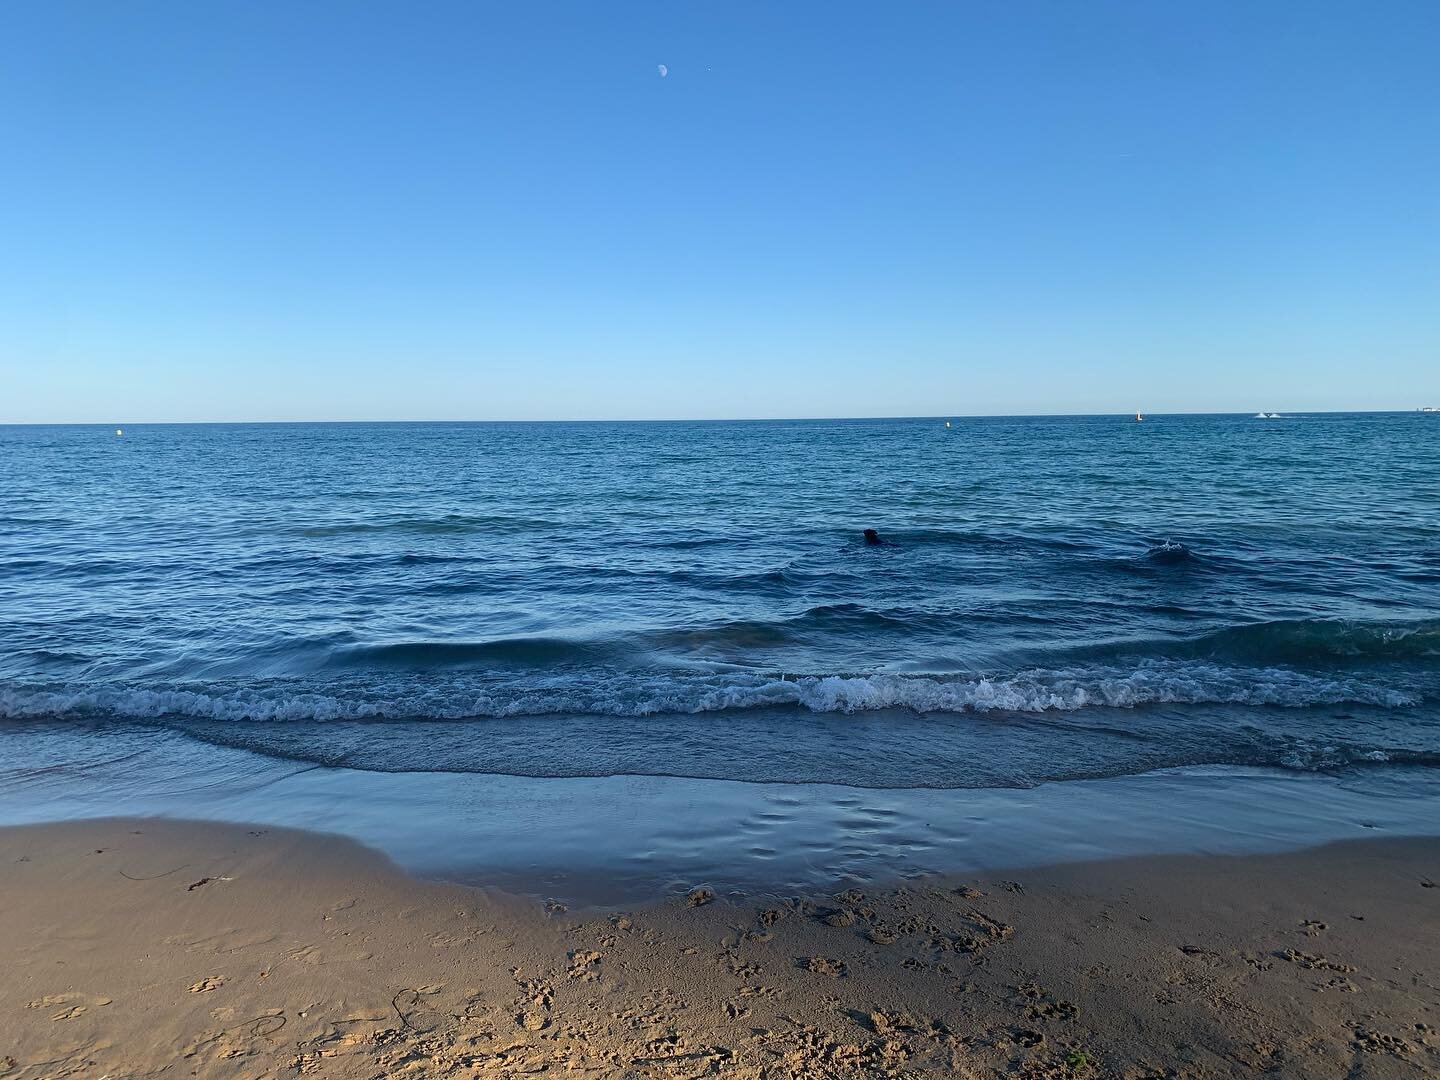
x=663, y=70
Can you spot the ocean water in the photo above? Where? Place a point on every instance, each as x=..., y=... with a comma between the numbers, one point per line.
x=1055, y=598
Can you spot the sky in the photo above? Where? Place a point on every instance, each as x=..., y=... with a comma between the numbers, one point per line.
x=358, y=209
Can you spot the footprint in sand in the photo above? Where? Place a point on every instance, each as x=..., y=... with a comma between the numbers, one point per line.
x=744, y=969
x=759, y=991
x=1378, y=1042
x=51, y=999
x=204, y=986
x=823, y=965
x=533, y=1014
x=1199, y=952
x=897, y=1024
x=585, y=965
x=1314, y=963
x=1053, y=1010
x=74, y=1004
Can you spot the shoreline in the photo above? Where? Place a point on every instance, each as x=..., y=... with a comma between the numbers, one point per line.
x=624, y=839
x=141, y=944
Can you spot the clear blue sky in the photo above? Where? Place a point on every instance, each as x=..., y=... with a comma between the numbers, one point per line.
x=375, y=210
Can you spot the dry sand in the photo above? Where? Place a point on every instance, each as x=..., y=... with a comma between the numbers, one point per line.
x=145, y=947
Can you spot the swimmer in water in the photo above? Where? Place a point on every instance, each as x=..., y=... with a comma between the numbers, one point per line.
x=872, y=537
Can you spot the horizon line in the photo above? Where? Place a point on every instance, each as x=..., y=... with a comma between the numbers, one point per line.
x=694, y=419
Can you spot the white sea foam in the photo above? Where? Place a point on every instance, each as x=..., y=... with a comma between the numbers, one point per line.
x=634, y=694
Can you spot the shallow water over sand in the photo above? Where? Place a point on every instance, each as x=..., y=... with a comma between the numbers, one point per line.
x=628, y=838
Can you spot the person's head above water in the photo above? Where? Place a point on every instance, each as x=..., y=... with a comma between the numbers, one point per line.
x=872, y=537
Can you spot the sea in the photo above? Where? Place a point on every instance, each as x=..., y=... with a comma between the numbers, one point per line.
x=476, y=616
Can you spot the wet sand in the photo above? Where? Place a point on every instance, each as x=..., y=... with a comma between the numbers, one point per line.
x=143, y=947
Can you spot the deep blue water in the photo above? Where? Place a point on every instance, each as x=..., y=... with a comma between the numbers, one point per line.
x=1056, y=597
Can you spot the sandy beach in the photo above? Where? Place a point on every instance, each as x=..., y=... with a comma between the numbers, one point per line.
x=143, y=947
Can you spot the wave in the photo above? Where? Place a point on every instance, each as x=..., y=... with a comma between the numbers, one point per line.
x=1170, y=553
x=835, y=618
x=1005, y=540
x=429, y=526
x=499, y=652
x=1301, y=640
x=559, y=651
x=639, y=695
x=1301, y=643
x=1325, y=757
x=913, y=756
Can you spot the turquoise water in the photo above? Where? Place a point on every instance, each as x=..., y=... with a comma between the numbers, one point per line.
x=1055, y=598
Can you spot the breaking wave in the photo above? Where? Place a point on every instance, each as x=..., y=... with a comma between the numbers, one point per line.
x=636, y=694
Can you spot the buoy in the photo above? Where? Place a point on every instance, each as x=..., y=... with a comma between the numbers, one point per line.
x=119, y=431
